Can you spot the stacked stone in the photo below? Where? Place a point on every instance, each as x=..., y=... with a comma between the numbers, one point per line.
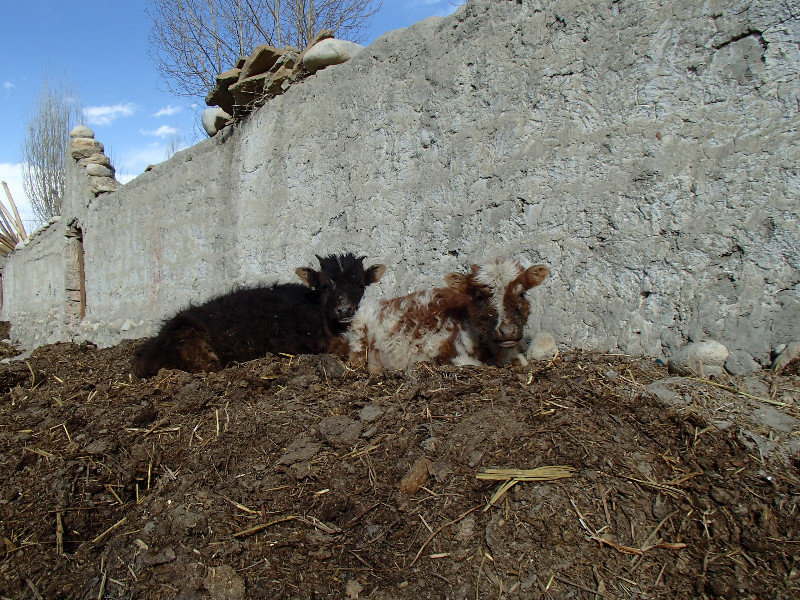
x=269, y=72
x=36, y=233
x=89, y=154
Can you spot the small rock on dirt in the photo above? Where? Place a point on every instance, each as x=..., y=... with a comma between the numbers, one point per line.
x=340, y=431
x=223, y=583
x=660, y=507
x=788, y=361
x=699, y=359
x=466, y=529
x=97, y=447
x=302, y=449
x=416, y=477
x=353, y=589
x=430, y=444
x=167, y=555
x=475, y=458
x=331, y=366
x=440, y=470
x=740, y=362
x=370, y=412
x=184, y=520
x=543, y=346
x=301, y=470
x=145, y=415
x=193, y=397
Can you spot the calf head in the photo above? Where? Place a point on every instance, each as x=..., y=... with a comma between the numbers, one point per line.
x=497, y=307
x=341, y=281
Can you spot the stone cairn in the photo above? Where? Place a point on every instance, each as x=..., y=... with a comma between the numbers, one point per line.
x=269, y=72
x=88, y=152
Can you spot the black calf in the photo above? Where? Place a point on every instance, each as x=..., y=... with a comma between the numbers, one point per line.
x=247, y=324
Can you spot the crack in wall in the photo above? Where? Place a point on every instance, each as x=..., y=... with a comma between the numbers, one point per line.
x=755, y=33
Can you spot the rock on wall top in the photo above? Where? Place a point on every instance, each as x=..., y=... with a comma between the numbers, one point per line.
x=88, y=152
x=269, y=72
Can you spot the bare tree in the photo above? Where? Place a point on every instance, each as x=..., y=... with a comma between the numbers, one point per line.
x=192, y=41
x=44, y=149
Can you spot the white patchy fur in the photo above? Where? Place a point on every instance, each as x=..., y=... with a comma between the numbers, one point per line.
x=498, y=275
x=375, y=336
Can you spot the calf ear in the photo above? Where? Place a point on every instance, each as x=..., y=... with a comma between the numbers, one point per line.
x=535, y=275
x=457, y=281
x=308, y=276
x=374, y=273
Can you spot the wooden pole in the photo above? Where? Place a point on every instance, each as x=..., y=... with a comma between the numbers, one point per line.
x=20, y=226
x=6, y=214
x=6, y=228
x=5, y=246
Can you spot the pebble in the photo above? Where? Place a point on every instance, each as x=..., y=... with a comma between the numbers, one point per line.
x=213, y=119
x=429, y=445
x=370, y=412
x=475, y=458
x=740, y=362
x=699, y=359
x=98, y=170
x=330, y=52
x=543, y=346
x=416, y=477
x=790, y=357
x=224, y=583
x=81, y=131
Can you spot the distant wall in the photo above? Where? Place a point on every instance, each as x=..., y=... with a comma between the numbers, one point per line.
x=648, y=154
x=35, y=296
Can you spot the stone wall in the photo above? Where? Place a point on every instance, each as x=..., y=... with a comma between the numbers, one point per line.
x=648, y=154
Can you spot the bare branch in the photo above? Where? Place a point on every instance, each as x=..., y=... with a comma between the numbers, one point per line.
x=44, y=149
x=192, y=41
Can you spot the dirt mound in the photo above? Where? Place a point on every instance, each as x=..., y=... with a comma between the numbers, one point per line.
x=282, y=477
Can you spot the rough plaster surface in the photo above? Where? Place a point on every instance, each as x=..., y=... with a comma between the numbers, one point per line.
x=35, y=295
x=648, y=154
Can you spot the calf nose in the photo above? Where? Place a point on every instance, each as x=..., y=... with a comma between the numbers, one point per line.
x=344, y=312
x=508, y=331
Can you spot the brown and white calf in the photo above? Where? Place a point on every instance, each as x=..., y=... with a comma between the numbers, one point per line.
x=479, y=318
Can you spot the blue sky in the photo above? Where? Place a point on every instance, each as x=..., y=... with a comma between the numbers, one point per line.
x=102, y=49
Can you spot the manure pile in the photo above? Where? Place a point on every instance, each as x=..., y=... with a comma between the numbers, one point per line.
x=297, y=477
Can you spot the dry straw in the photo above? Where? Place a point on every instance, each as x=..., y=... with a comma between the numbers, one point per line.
x=512, y=477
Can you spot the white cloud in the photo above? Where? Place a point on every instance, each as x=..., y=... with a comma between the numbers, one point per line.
x=8, y=86
x=105, y=115
x=163, y=131
x=168, y=111
x=134, y=161
x=12, y=175
x=124, y=178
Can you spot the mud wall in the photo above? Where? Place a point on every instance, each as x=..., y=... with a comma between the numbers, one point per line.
x=647, y=153
x=35, y=295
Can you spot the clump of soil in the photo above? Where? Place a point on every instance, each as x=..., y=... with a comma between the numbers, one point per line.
x=6, y=349
x=282, y=478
